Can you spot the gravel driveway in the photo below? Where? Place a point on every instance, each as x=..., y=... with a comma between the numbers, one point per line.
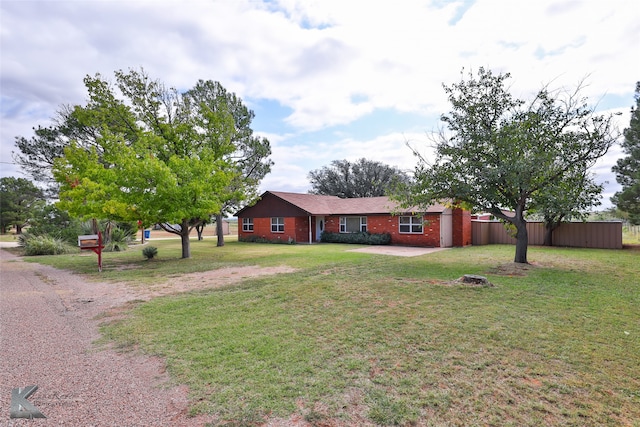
x=48, y=327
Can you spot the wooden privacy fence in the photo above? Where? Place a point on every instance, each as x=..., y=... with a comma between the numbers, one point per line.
x=603, y=235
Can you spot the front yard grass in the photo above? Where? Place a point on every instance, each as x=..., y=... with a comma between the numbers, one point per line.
x=8, y=237
x=353, y=339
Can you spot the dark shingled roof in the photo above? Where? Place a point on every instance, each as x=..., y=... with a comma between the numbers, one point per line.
x=315, y=204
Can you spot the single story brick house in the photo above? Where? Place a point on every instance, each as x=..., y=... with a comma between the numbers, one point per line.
x=302, y=218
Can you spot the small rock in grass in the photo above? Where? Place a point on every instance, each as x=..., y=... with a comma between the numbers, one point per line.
x=475, y=280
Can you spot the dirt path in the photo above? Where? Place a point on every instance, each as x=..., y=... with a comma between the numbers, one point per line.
x=48, y=327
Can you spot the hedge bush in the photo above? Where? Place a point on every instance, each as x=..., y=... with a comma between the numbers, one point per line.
x=44, y=245
x=361, y=238
x=259, y=239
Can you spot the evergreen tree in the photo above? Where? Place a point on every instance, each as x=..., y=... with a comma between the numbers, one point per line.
x=18, y=198
x=627, y=169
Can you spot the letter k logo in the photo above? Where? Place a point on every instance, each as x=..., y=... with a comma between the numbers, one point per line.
x=20, y=406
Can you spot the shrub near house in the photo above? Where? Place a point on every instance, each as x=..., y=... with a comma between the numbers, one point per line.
x=303, y=218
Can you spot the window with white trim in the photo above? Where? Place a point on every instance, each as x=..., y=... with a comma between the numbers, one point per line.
x=247, y=224
x=277, y=224
x=353, y=224
x=411, y=224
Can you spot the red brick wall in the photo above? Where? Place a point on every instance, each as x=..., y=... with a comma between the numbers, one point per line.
x=461, y=227
x=297, y=228
x=262, y=229
x=391, y=224
x=301, y=229
x=332, y=224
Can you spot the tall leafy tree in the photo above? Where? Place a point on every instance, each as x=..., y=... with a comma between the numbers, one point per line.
x=159, y=156
x=502, y=153
x=627, y=169
x=362, y=178
x=250, y=155
x=18, y=199
x=83, y=125
x=36, y=154
x=80, y=125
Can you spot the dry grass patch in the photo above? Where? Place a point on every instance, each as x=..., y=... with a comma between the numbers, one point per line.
x=512, y=269
x=212, y=279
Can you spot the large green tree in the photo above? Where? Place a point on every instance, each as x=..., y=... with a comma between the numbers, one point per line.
x=361, y=178
x=250, y=155
x=158, y=156
x=502, y=153
x=36, y=154
x=18, y=199
x=627, y=169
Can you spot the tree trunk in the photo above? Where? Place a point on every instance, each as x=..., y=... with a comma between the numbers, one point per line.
x=522, y=237
x=522, y=242
x=550, y=225
x=219, y=230
x=548, y=236
x=200, y=229
x=108, y=227
x=141, y=228
x=18, y=229
x=184, y=236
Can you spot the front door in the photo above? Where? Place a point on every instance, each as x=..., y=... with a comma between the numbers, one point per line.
x=319, y=227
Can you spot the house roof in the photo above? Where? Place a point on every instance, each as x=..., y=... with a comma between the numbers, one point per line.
x=314, y=204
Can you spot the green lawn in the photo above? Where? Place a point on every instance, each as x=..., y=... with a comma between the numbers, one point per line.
x=352, y=338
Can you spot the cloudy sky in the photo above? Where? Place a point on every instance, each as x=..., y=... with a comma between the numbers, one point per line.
x=327, y=79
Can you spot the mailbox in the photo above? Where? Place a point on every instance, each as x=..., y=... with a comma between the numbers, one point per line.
x=92, y=242
x=88, y=241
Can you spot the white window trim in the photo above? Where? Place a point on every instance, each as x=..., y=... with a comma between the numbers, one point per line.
x=247, y=225
x=277, y=224
x=362, y=227
x=413, y=222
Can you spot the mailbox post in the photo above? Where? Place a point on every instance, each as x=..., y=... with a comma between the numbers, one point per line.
x=92, y=242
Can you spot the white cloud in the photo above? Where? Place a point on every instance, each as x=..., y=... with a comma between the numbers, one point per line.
x=330, y=62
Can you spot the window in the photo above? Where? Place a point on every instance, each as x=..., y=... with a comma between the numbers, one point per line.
x=353, y=224
x=277, y=224
x=410, y=224
x=247, y=224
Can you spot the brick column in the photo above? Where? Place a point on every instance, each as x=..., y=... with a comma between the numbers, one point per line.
x=461, y=227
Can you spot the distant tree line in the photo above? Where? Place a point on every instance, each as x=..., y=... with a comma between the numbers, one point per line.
x=361, y=178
